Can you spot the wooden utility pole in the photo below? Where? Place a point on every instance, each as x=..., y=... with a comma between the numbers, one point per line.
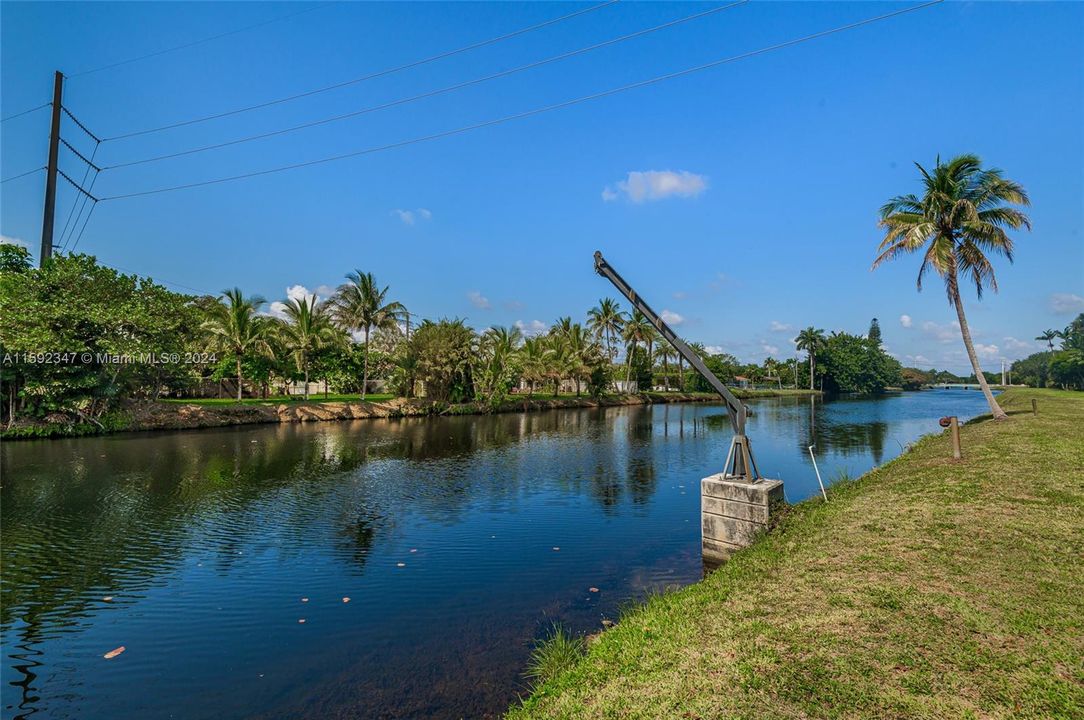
x=50, y=173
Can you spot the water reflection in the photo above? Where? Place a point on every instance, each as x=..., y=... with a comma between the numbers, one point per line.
x=455, y=538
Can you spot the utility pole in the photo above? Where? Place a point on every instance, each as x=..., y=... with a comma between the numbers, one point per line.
x=50, y=173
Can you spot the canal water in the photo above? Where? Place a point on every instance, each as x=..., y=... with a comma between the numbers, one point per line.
x=458, y=541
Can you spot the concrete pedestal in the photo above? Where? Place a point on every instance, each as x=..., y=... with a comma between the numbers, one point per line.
x=732, y=512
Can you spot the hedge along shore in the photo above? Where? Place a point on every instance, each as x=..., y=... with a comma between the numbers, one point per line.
x=145, y=415
x=928, y=588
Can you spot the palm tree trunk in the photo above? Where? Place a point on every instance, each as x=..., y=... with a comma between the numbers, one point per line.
x=998, y=413
x=306, y=382
x=365, y=365
x=811, y=370
x=628, y=365
x=681, y=373
x=239, y=378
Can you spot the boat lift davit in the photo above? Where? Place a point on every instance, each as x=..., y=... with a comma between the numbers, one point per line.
x=740, y=465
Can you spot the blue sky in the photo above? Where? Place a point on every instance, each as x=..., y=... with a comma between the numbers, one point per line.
x=742, y=199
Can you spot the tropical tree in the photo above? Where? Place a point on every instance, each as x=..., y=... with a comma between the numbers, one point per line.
x=664, y=352
x=498, y=349
x=811, y=339
x=306, y=329
x=1048, y=337
x=360, y=305
x=606, y=320
x=236, y=327
x=637, y=330
x=557, y=359
x=962, y=216
x=532, y=362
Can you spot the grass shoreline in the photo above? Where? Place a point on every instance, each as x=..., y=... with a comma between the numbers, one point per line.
x=925, y=588
x=142, y=416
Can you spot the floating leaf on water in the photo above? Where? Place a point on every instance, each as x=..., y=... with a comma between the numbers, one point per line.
x=108, y=598
x=413, y=550
x=113, y=653
x=555, y=549
x=304, y=599
x=346, y=599
x=594, y=589
x=301, y=621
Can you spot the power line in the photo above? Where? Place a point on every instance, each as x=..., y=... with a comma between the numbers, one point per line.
x=90, y=164
x=432, y=93
x=197, y=42
x=379, y=73
x=79, y=154
x=75, y=185
x=537, y=111
x=80, y=237
x=28, y=172
x=24, y=112
x=81, y=125
x=163, y=280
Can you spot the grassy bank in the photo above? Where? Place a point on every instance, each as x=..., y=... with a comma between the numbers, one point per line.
x=215, y=412
x=927, y=588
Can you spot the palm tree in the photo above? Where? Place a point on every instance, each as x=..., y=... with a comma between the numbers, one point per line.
x=498, y=347
x=771, y=369
x=811, y=340
x=1048, y=337
x=307, y=328
x=583, y=352
x=360, y=305
x=961, y=216
x=664, y=352
x=606, y=320
x=235, y=327
x=557, y=359
x=637, y=330
x=532, y=359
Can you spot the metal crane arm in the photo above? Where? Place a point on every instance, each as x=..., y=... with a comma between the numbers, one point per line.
x=737, y=408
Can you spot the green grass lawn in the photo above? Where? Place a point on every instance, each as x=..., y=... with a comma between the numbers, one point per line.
x=926, y=589
x=315, y=397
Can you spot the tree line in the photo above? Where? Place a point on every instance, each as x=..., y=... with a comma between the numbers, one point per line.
x=80, y=337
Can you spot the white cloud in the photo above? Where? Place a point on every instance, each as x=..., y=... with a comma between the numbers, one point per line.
x=8, y=240
x=478, y=300
x=532, y=328
x=918, y=359
x=942, y=333
x=778, y=327
x=1012, y=344
x=987, y=351
x=905, y=320
x=644, y=185
x=671, y=318
x=769, y=348
x=714, y=349
x=299, y=293
x=410, y=217
x=1066, y=303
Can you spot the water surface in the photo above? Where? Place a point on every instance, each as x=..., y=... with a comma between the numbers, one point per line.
x=458, y=541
